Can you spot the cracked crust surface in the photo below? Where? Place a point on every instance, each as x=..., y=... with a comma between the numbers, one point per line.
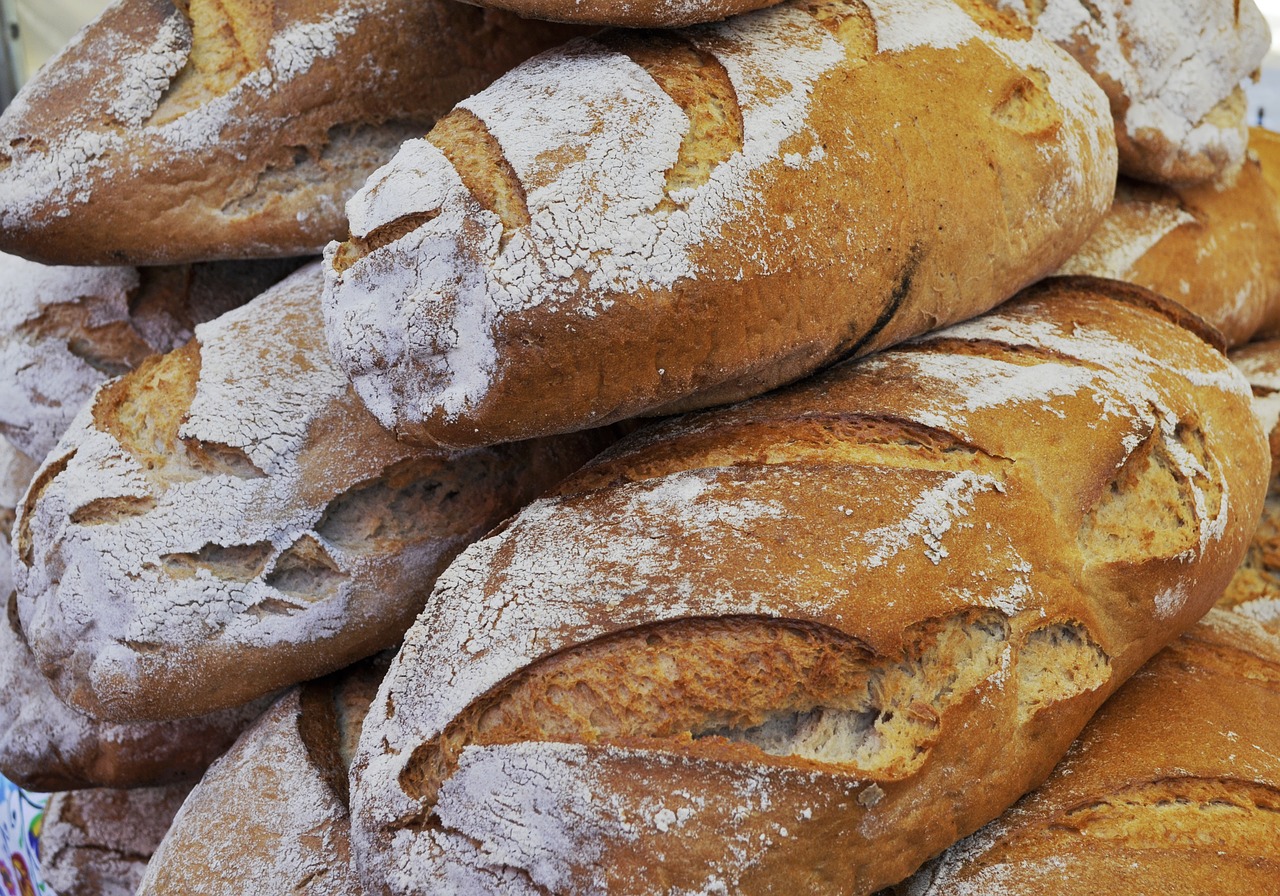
x=774, y=644
x=228, y=519
x=233, y=128
x=666, y=221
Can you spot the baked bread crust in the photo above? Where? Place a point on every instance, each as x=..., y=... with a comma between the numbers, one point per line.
x=281, y=796
x=98, y=842
x=66, y=330
x=1172, y=72
x=228, y=520
x=233, y=128
x=1173, y=787
x=648, y=224
x=1215, y=248
x=775, y=645
x=630, y=13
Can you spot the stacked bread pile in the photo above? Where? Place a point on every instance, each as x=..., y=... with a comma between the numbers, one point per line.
x=810, y=639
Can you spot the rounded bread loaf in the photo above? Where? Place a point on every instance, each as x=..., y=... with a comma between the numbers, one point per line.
x=232, y=128
x=279, y=796
x=98, y=842
x=1172, y=72
x=66, y=330
x=776, y=646
x=1174, y=787
x=642, y=224
x=1214, y=248
x=228, y=519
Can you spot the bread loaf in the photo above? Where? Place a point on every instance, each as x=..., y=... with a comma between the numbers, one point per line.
x=66, y=330
x=1215, y=248
x=98, y=842
x=640, y=224
x=280, y=796
x=232, y=128
x=1172, y=72
x=775, y=647
x=1173, y=788
x=1255, y=589
x=228, y=520
x=629, y=13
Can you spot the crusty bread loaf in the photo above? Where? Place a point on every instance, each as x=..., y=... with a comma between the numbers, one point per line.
x=1174, y=788
x=629, y=13
x=280, y=796
x=228, y=519
x=804, y=643
x=1172, y=72
x=232, y=128
x=1255, y=589
x=66, y=330
x=643, y=224
x=1215, y=248
x=98, y=842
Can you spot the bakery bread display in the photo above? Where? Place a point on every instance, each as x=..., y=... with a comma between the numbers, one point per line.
x=228, y=519
x=232, y=128
x=1215, y=248
x=808, y=641
x=1173, y=788
x=1172, y=72
x=98, y=842
x=642, y=224
x=280, y=796
x=66, y=330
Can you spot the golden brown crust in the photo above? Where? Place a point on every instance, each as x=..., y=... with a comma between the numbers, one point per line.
x=776, y=644
x=237, y=128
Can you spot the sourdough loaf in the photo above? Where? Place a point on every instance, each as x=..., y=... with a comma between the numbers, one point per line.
x=1172, y=72
x=66, y=330
x=280, y=796
x=1215, y=248
x=98, y=842
x=232, y=128
x=639, y=224
x=1255, y=589
x=1173, y=788
x=773, y=647
x=228, y=519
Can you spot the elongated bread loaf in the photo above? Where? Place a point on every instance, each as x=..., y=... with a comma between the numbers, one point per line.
x=643, y=224
x=228, y=519
x=232, y=128
x=279, y=796
x=1215, y=248
x=1173, y=788
x=776, y=647
x=98, y=842
x=1172, y=72
x=66, y=330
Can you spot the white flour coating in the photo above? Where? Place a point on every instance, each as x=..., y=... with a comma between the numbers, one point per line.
x=265, y=796
x=1171, y=601
x=1124, y=237
x=930, y=519
x=98, y=588
x=415, y=322
x=1263, y=374
x=42, y=383
x=1169, y=65
x=54, y=181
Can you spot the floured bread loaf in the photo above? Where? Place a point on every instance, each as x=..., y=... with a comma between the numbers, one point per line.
x=281, y=796
x=1173, y=788
x=1172, y=72
x=98, y=842
x=1215, y=248
x=228, y=519
x=232, y=128
x=776, y=647
x=640, y=224
x=16, y=472
x=66, y=330
x=1255, y=589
